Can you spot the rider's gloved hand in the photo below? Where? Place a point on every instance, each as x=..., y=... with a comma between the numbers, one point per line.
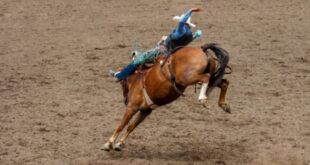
x=195, y=9
x=197, y=34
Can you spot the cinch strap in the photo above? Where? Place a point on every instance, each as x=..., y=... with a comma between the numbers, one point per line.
x=148, y=100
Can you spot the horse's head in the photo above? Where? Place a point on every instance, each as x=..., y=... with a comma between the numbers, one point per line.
x=133, y=79
x=124, y=84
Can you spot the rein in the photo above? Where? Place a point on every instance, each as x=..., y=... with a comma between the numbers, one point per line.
x=169, y=53
x=172, y=75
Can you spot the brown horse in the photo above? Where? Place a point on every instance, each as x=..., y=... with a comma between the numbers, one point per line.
x=166, y=81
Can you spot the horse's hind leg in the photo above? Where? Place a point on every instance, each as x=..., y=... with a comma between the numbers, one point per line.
x=126, y=118
x=224, y=85
x=141, y=116
x=202, y=95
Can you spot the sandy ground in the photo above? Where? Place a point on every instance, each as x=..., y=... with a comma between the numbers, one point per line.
x=58, y=106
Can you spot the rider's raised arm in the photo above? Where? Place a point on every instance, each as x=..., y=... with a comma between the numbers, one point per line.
x=197, y=35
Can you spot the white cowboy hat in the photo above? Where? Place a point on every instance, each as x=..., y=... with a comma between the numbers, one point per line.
x=177, y=18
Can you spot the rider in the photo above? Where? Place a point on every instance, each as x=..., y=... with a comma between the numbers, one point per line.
x=180, y=37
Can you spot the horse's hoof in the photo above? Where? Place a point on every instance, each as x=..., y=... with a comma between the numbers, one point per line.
x=107, y=146
x=205, y=103
x=226, y=108
x=119, y=146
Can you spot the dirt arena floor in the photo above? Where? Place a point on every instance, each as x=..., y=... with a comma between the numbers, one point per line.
x=58, y=106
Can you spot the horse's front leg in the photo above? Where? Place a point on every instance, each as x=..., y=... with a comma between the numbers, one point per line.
x=141, y=116
x=222, y=103
x=126, y=118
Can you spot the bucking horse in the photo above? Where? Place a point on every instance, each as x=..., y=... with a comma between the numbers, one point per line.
x=166, y=80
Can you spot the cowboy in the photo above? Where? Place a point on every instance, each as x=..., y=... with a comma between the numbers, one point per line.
x=180, y=37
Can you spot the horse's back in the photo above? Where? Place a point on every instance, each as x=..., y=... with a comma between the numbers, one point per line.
x=188, y=62
x=190, y=57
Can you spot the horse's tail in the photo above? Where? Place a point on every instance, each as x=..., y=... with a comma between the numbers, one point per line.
x=222, y=58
